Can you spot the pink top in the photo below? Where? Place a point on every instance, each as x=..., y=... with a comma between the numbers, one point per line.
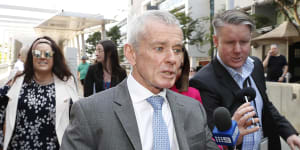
x=191, y=92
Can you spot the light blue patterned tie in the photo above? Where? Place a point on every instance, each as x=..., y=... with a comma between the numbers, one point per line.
x=160, y=130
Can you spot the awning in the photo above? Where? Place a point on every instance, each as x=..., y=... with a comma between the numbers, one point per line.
x=285, y=32
x=64, y=25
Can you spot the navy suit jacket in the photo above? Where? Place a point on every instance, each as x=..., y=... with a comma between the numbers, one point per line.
x=218, y=88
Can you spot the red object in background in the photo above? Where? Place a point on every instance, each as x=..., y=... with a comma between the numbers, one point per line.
x=203, y=63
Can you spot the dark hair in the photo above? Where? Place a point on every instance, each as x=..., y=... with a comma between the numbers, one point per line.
x=60, y=68
x=182, y=83
x=111, y=57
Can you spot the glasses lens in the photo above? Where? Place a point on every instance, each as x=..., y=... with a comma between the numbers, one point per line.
x=36, y=53
x=46, y=54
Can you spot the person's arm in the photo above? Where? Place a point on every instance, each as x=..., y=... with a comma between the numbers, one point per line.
x=285, y=70
x=88, y=82
x=78, y=72
x=266, y=61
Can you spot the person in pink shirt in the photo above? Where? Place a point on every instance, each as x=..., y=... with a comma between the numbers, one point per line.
x=182, y=81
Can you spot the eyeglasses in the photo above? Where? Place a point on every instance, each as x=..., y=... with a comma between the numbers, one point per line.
x=39, y=54
x=100, y=50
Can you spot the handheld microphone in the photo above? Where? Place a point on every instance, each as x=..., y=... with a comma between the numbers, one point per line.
x=247, y=95
x=226, y=131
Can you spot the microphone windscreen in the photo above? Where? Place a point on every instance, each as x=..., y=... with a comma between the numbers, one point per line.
x=249, y=92
x=222, y=118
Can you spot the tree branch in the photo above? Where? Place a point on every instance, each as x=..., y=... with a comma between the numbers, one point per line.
x=285, y=10
x=295, y=12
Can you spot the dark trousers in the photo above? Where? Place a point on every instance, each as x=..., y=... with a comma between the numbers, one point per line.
x=82, y=81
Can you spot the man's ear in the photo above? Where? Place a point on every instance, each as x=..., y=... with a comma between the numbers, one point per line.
x=216, y=41
x=130, y=54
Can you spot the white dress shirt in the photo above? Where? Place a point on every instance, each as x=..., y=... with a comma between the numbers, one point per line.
x=144, y=114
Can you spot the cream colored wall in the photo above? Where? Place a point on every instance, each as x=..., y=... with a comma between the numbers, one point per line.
x=286, y=98
x=256, y=52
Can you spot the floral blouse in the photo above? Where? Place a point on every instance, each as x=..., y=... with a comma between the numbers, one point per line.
x=35, y=119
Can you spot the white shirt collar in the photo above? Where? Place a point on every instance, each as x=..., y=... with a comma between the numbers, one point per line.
x=138, y=92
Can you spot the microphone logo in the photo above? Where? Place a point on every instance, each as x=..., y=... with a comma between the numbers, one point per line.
x=226, y=131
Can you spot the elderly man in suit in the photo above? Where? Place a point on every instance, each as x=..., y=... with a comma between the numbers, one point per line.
x=232, y=70
x=140, y=112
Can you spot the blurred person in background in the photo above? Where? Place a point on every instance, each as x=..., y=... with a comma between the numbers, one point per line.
x=182, y=79
x=37, y=102
x=82, y=69
x=107, y=72
x=19, y=65
x=276, y=65
x=192, y=72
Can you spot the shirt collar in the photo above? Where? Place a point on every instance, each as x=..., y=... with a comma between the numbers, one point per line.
x=247, y=68
x=138, y=92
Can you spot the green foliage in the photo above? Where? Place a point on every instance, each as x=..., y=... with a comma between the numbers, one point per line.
x=193, y=33
x=114, y=34
x=260, y=21
x=92, y=41
x=121, y=54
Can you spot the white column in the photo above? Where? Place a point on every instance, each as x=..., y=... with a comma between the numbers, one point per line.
x=103, y=32
x=78, y=47
x=229, y=4
x=83, y=44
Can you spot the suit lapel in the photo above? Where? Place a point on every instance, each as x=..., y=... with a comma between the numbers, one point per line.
x=177, y=110
x=224, y=77
x=124, y=110
x=256, y=74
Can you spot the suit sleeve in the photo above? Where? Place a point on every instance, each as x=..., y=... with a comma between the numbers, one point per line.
x=89, y=82
x=197, y=117
x=210, y=144
x=78, y=134
x=210, y=99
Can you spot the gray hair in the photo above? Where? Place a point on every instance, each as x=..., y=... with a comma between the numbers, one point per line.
x=235, y=17
x=274, y=45
x=136, y=30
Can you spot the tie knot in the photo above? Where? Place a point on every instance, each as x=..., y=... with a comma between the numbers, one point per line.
x=156, y=102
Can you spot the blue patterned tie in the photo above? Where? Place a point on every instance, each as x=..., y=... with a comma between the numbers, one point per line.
x=160, y=130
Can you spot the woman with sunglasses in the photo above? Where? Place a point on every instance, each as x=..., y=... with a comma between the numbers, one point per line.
x=107, y=72
x=39, y=99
